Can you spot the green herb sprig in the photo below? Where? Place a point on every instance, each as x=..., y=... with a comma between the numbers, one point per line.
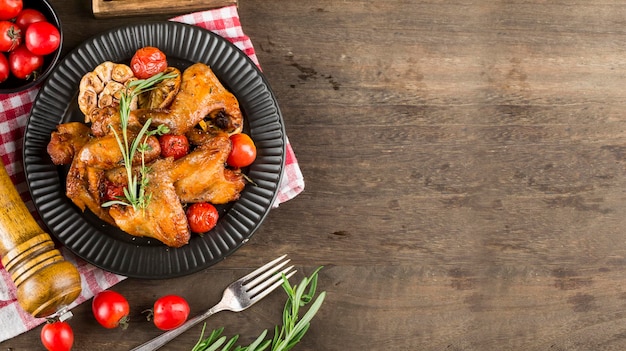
x=135, y=193
x=288, y=334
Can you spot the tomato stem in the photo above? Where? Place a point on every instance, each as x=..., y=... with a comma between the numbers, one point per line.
x=123, y=323
x=149, y=314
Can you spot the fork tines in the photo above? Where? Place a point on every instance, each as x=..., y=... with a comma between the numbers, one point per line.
x=267, y=278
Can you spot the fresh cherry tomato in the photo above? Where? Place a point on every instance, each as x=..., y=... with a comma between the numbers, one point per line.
x=243, y=151
x=173, y=145
x=111, y=309
x=202, y=217
x=4, y=68
x=42, y=38
x=26, y=17
x=10, y=36
x=57, y=336
x=170, y=312
x=147, y=62
x=23, y=63
x=10, y=8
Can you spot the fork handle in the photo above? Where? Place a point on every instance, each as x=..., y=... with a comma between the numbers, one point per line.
x=166, y=337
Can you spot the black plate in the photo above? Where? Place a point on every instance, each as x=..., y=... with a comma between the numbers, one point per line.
x=106, y=246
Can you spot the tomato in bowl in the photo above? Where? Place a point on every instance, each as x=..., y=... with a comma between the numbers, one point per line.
x=25, y=70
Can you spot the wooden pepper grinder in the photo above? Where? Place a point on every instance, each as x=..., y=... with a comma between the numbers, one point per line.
x=45, y=281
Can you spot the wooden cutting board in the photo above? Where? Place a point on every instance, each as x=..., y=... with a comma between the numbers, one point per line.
x=119, y=8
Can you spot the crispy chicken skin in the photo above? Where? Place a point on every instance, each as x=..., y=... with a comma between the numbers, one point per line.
x=201, y=175
x=164, y=218
x=201, y=94
x=66, y=141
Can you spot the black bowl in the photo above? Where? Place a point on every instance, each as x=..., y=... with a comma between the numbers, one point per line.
x=14, y=85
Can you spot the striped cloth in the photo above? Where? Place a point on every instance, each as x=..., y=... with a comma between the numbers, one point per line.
x=14, y=110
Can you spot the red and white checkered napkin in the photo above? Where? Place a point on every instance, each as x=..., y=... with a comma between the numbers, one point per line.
x=14, y=110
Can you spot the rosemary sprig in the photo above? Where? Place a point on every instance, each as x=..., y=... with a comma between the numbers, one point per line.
x=134, y=192
x=288, y=334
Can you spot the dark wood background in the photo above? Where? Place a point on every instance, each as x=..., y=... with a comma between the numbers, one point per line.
x=465, y=176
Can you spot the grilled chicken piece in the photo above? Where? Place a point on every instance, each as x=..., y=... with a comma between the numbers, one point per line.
x=201, y=94
x=88, y=169
x=66, y=141
x=83, y=188
x=164, y=218
x=201, y=175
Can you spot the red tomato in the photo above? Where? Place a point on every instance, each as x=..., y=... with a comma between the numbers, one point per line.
x=112, y=191
x=42, y=38
x=173, y=145
x=10, y=8
x=4, y=68
x=202, y=217
x=27, y=17
x=147, y=62
x=243, y=152
x=170, y=312
x=57, y=336
x=10, y=36
x=23, y=63
x=111, y=309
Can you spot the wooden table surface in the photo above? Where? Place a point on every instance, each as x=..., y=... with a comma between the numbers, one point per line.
x=465, y=177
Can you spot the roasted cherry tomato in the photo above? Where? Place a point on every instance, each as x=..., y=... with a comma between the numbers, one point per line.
x=10, y=8
x=42, y=38
x=111, y=309
x=27, y=17
x=23, y=63
x=10, y=36
x=4, y=68
x=170, y=312
x=147, y=62
x=57, y=336
x=173, y=145
x=243, y=151
x=112, y=191
x=202, y=217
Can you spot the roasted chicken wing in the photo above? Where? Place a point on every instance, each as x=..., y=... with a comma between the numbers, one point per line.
x=84, y=179
x=83, y=188
x=164, y=218
x=201, y=95
x=201, y=176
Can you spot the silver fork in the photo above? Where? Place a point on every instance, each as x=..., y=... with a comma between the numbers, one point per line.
x=238, y=296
